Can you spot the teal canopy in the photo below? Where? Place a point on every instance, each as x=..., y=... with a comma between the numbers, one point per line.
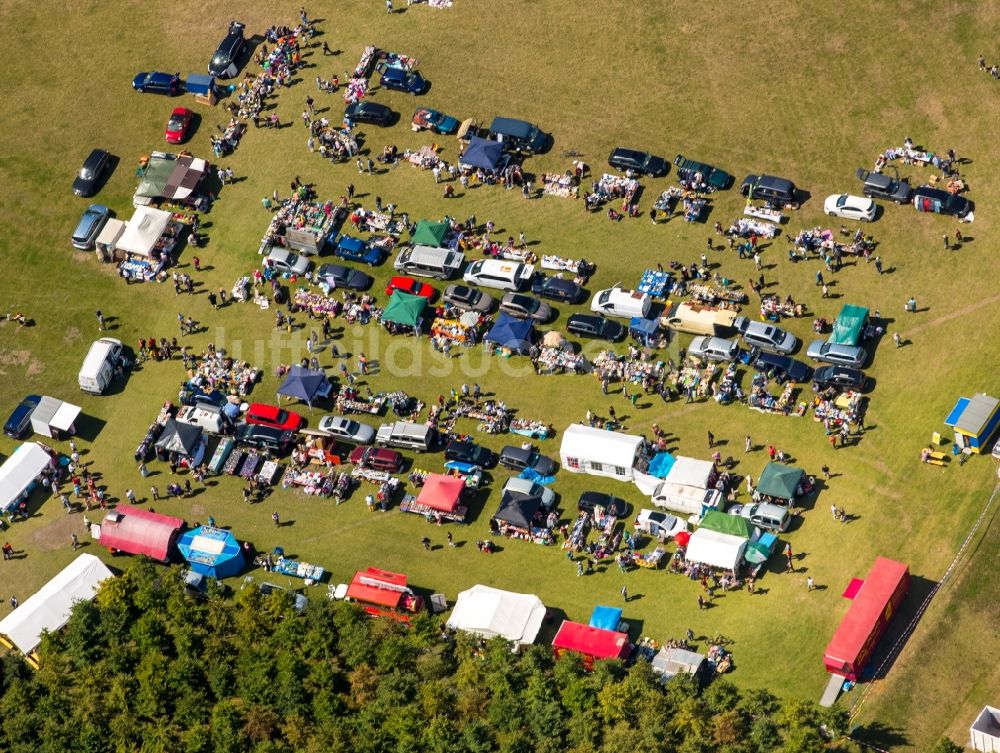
x=849, y=325
x=780, y=480
x=404, y=309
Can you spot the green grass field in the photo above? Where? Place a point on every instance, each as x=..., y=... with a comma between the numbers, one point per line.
x=809, y=93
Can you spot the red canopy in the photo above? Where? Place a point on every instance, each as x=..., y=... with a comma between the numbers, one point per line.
x=375, y=586
x=136, y=531
x=441, y=492
x=590, y=641
x=682, y=538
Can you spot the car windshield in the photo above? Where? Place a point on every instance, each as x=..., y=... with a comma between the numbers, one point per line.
x=291, y=260
x=842, y=200
x=175, y=122
x=351, y=427
x=86, y=173
x=220, y=58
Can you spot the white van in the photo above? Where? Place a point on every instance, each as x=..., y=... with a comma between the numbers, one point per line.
x=205, y=415
x=698, y=319
x=404, y=434
x=500, y=274
x=426, y=261
x=686, y=499
x=99, y=365
x=621, y=303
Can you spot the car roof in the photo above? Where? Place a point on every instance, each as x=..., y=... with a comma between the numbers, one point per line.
x=94, y=157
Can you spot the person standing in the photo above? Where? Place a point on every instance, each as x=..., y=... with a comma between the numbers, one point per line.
x=810, y=583
x=711, y=440
x=911, y=305
x=130, y=496
x=747, y=444
x=625, y=594
x=826, y=472
x=388, y=6
x=947, y=245
x=897, y=339
x=701, y=601
x=878, y=264
x=276, y=518
x=426, y=543
x=74, y=541
x=100, y=320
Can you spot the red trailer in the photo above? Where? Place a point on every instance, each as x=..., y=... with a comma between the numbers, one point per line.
x=875, y=602
x=384, y=594
x=592, y=643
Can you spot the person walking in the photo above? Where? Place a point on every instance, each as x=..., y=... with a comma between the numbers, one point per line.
x=790, y=567
x=756, y=261
x=426, y=543
x=388, y=6
x=810, y=583
x=579, y=569
x=819, y=279
x=130, y=496
x=711, y=440
x=74, y=541
x=826, y=290
x=701, y=602
x=154, y=493
x=826, y=472
x=911, y=305
x=13, y=602
x=947, y=245
x=958, y=235
x=878, y=264
x=897, y=339
x=625, y=594
x=747, y=444
x=100, y=320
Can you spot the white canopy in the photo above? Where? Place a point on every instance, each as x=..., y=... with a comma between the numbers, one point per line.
x=143, y=231
x=49, y=608
x=20, y=471
x=675, y=661
x=110, y=234
x=691, y=472
x=490, y=612
x=984, y=735
x=53, y=414
x=585, y=449
x=716, y=549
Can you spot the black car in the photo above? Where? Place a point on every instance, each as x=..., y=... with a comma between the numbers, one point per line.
x=264, y=438
x=225, y=61
x=339, y=276
x=89, y=176
x=927, y=199
x=368, y=112
x=471, y=453
x=518, y=458
x=20, y=418
x=781, y=368
x=557, y=288
x=880, y=186
x=840, y=377
x=638, y=162
x=713, y=176
x=587, y=325
x=774, y=190
x=612, y=505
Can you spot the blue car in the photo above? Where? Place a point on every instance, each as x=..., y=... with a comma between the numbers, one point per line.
x=355, y=249
x=90, y=226
x=20, y=419
x=403, y=81
x=157, y=82
x=426, y=119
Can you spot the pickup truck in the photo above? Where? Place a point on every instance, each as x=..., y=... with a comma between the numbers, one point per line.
x=713, y=176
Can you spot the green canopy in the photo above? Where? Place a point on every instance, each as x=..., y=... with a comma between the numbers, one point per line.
x=779, y=480
x=849, y=325
x=430, y=234
x=756, y=553
x=404, y=309
x=721, y=522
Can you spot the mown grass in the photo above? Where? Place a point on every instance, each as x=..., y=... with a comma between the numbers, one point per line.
x=809, y=92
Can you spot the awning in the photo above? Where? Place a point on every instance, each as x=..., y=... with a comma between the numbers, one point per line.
x=404, y=309
x=779, y=480
x=517, y=510
x=716, y=549
x=381, y=587
x=20, y=471
x=304, y=384
x=134, y=530
x=721, y=522
x=168, y=176
x=430, y=234
x=590, y=641
x=143, y=231
x=512, y=333
x=482, y=153
x=110, y=234
x=490, y=612
x=441, y=492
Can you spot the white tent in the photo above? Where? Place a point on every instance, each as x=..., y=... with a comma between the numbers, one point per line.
x=691, y=472
x=49, y=608
x=674, y=661
x=490, y=612
x=985, y=732
x=143, y=231
x=107, y=240
x=716, y=549
x=585, y=449
x=52, y=415
x=20, y=471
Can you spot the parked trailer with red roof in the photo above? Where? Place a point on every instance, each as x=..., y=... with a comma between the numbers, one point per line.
x=877, y=600
x=591, y=642
x=384, y=594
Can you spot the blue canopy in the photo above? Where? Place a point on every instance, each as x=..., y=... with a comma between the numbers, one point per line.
x=304, y=384
x=643, y=329
x=482, y=153
x=211, y=551
x=606, y=618
x=661, y=464
x=512, y=333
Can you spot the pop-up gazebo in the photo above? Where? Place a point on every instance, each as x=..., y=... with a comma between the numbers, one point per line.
x=405, y=310
x=441, y=492
x=430, y=234
x=513, y=334
x=305, y=385
x=179, y=437
x=482, y=153
x=781, y=482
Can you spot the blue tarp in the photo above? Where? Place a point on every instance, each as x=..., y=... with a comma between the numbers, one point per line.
x=661, y=464
x=482, y=153
x=211, y=551
x=532, y=475
x=512, y=333
x=606, y=618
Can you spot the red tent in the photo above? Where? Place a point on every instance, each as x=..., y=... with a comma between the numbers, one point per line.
x=874, y=604
x=374, y=586
x=593, y=643
x=136, y=531
x=441, y=492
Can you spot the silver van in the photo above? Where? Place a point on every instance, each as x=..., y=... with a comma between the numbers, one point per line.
x=406, y=435
x=426, y=261
x=765, y=515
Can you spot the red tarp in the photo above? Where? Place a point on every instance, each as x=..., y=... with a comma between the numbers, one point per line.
x=139, y=531
x=374, y=586
x=441, y=492
x=590, y=641
x=875, y=603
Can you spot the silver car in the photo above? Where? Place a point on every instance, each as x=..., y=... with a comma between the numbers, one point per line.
x=714, y=348
x=525, y=307
x=843, y=355
x=347, y=430
x=468, y=298
x=285, y=261
x=765, y=336
x=530, y=489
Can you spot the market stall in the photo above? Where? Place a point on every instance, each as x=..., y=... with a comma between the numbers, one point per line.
x=133, y=530
x=463, y=331
x=483, y=154
x=54, y=418
x=301, y=225
x=744, y=227
x=566, y=186
x=174, y=178
x=598, y=452
x=404, y=313
x=296, y=569
x=214, y=552
x=764, y=213
x=521, y=516
x=510, y=336
x=780, y=484
x=975, y=420
x=382, y=593
x=349, y=400
x=186, y=442
x=720, y=550
x=22, y=471
x=433, y=234
x=490, y=612
x=306, y=385
x=150, y=241
x=438, y=498
x=591, y=643
x=655, y=283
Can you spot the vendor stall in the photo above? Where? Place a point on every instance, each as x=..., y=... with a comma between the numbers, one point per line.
x=133, y=530
x=483, y=154
x=301, y=225
x=510, y=336
x=764, y=213
x=107, y=240
x=780, y=484
x=349, y=400
x=210, y=551
x=975, y=421
x=438, y=498
x=462, y=331
x=384, y=594
x=433, y=234
x=489, y=612
x=306, y=385
x=521, y=516
x=404, y=313
x=719, y=550
x=598, y=452
x=591, y=643
x=296, y=569
x=655, y=283
x=54, y=418
x=22, y=471
x=565, y=186
x=185, y=442
x=150, y=240
x=174, y=178
x=614, y=186
x=746, y=226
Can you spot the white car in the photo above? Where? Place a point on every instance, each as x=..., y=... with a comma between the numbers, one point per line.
x=347, y=429
x=500, y=274
x=850, y=207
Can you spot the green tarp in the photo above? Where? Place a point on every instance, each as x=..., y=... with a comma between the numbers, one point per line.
x=721, y=522
x=404, y=309
x=430, y=234
x=849, y=325
x=779, y=480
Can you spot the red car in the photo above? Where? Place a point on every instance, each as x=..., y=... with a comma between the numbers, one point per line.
x=377, y=458
x=178, y=125
x=411, y=286
x=273, y=416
